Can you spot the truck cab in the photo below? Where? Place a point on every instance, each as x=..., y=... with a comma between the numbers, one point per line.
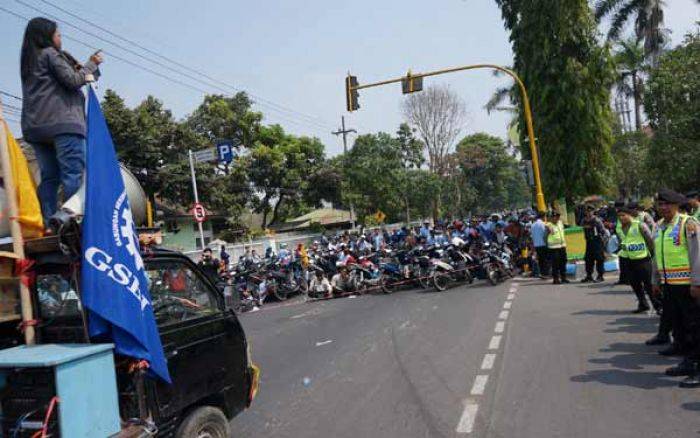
x=203, y=341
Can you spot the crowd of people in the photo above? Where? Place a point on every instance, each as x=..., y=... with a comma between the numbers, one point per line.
x=659, y=257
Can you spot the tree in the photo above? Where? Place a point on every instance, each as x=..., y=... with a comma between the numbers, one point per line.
x=279, y=167
x=568, y=77
x=631, y=151
x=631, y=63
x=494, y=176
x=648, y=21
x=143, y=138
x=220, y=117
x=438, y=116
x=672, y=102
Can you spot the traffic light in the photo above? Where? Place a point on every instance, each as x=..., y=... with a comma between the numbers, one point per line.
x=411, y=84
x=351, y=95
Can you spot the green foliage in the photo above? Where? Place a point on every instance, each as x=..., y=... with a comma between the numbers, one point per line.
x=493, y=176
x=568, y=77
x=279, y=167
x=672, y=102
x=648, y=20
x=631, y=151
x=382, y=172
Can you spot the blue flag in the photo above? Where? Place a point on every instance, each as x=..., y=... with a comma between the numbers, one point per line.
x=114, y=285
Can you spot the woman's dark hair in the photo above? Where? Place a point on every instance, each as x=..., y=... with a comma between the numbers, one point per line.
x=37, y=36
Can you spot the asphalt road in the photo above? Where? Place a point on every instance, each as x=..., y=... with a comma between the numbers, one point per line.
x=522, y=359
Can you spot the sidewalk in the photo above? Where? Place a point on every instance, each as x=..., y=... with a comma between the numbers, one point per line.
x=575, y=365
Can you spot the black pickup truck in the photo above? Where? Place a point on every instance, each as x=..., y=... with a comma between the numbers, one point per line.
x=208, y=357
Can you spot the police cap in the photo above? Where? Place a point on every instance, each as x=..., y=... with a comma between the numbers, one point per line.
x=671, y=197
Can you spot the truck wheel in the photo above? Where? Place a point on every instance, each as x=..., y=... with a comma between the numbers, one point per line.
x=204, y=422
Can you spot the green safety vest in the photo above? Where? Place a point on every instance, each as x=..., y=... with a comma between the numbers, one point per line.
x=555, y=238
x=671, y=250
x=632, y=244
x=696, y=215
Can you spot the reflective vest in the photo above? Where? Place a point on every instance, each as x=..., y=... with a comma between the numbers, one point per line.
x=696, y=215
x=555, y=238
x=632, y=244
x=671, y=251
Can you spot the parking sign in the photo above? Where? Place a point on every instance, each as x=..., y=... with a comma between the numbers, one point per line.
x=225, y=151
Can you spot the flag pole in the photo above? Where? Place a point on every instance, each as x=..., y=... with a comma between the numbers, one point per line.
x=16, y=232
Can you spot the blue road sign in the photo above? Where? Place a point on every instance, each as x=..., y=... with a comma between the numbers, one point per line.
x=225, y=151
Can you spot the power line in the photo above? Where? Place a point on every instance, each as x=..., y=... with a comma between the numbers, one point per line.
x=5, y=93
x=314, y=119
x=272, y=106
x=139, y=66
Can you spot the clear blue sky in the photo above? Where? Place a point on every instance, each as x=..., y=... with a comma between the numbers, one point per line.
x=296, y=53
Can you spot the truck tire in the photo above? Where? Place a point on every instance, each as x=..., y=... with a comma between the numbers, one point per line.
x=204, y=422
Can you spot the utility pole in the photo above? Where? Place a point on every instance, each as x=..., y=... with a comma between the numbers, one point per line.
x=344, y=132
x=196, y=198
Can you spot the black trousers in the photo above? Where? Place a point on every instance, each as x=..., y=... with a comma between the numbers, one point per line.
x=639, y=275
x=557, y=257
x=623, y=270
x=595, y=257
x=543, y=259
x=685, y=319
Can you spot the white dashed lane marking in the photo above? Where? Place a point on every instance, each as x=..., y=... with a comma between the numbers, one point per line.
x=471, y=405
x=466, y=422
x=479, y=385
x=500, y=327
x=495, y=342
x=489, y=360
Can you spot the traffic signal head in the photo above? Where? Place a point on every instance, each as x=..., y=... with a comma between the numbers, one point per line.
x=411, y=84
x=351, y=94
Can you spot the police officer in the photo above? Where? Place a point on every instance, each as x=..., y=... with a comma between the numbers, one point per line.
x=694, y=203
x=594, y=232
x=639, y=214
x=556, y=247
x=636, y=246
x=676, y=272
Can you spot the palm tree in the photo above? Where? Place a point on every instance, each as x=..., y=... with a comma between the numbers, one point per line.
x=648, y=21
x=631, y=63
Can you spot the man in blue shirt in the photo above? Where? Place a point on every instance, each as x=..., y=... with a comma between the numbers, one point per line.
x=425, y=230
x=537, y=233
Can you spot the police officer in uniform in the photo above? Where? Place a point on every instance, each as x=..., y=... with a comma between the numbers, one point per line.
x=556, y=247
x=676, y=272
x=694, y=203
x=640, y=215
x=636, y=247
x=594, y=232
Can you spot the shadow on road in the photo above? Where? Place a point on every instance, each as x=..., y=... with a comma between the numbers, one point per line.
x=626, y=360
x=641, y=380
x=601, y=312
x=631, y=324
x=611, y=292
x=692, y=406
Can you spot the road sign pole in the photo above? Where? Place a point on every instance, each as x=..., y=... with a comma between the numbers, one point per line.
x=196, y=198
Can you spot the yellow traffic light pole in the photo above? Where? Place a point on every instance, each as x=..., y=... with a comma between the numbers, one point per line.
x=541, y=206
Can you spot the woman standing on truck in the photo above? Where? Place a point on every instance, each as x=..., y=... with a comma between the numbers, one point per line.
x=53, y=110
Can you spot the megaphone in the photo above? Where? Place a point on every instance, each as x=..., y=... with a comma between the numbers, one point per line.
x=74, y=207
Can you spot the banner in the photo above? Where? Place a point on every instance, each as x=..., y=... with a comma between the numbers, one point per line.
x=114, y=285
x=28, y=209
